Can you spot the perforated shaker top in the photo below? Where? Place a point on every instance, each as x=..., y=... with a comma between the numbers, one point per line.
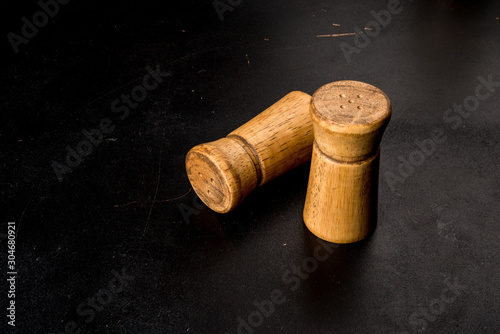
x=350, y=103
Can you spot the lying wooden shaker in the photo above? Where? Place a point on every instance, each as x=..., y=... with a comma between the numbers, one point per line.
x=225, y=171
x=349, y=118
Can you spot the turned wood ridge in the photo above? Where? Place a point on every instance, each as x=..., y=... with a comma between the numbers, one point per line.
x=225, y=171
x=349, y=118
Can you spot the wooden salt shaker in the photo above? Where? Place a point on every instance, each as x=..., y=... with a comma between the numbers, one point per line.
x=225, y=171
x=349, y=118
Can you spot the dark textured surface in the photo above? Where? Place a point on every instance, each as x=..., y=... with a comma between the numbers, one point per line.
x=127, y=206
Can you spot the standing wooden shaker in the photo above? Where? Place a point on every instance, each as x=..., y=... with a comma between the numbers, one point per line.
x=349, y=118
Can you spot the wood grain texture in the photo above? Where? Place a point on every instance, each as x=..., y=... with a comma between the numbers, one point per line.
x=280, y=138
x=349, y=119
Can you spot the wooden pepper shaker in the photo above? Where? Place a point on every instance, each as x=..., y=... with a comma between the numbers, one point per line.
x=349, y=118
x=225, y=171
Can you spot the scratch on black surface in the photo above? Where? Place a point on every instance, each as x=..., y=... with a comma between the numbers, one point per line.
x=157, y=185
x=22, y=214
x=21, y=219
x=411, y=216
x=175, y=198
x=154, y=201
x=126, y=204
x=108, y=93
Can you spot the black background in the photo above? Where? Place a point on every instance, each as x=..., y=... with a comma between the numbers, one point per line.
x=129, y=205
